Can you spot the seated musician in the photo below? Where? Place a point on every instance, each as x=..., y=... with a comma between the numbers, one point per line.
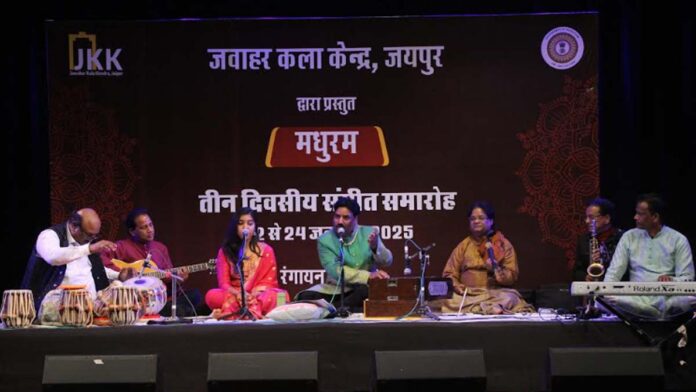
x=364, y=255
x=136, y=248
x=259, y=267
x=482, y=284
x=606, y=235
x=652, y=252
x=68, y=254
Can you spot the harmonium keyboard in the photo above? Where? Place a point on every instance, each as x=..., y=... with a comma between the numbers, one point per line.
x=633, y=288
x=395, y=297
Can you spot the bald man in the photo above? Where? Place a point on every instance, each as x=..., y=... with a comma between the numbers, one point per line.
x=68, y=254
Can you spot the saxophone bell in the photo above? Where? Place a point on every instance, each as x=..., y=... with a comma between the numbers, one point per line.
x=596, y=269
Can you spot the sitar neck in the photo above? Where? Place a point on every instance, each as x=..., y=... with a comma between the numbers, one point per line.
x=177, y=270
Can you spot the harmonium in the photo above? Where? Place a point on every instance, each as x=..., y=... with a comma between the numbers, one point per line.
x=395, y=297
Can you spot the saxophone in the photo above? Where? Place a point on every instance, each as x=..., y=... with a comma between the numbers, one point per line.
x=596, y=269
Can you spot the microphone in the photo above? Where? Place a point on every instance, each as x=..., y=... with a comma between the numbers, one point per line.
x=427, y=248
x=489, y=248
x=240, y=255
x=340, y=232
x=146, y=263
x=407, y=261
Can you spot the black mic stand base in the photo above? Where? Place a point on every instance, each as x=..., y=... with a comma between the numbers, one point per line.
x=425, y=311
x=241, y=314
x=244, y=313
x=589, y=311
x=342, y=312
x=422, y=310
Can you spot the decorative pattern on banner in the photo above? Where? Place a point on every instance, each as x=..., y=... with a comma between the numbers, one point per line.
x=560, y=170
x=89, y=168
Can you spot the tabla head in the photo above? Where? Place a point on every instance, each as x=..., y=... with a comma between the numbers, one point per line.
x=153, y=291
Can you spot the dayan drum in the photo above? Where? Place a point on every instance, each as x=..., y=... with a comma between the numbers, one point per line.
x=125, y=305
x=17, y=308
x=76, y=307
x=105, y=298
x=153, y=291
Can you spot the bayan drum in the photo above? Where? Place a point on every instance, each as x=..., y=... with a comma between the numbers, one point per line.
x=17, y=308
x=76, y=307
x=153, y=291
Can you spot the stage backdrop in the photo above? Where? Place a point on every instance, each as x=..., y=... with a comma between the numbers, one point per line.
x=415, y=116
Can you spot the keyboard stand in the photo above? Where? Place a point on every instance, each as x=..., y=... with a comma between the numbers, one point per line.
x=681, y=330
x=635, y=328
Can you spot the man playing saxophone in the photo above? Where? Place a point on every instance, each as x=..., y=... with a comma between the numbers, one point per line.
x=596, y=247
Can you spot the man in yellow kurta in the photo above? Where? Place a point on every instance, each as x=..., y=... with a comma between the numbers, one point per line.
x=483, y=267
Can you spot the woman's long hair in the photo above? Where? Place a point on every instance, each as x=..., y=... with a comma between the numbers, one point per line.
x=232, y=242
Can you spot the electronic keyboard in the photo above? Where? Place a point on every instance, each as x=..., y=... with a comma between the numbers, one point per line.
x=633, y=288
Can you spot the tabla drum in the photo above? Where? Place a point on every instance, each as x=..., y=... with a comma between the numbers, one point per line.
x=17, y=308
x=153, y=291
x=124, y=305
x=104, y=298
x=76, y=308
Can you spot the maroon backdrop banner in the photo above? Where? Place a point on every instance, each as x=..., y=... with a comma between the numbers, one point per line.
x=415, y=116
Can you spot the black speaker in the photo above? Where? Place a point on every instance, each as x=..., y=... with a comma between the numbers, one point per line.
x=423, y=370
x=575, y=369
x=100, y=372
x=291, y=370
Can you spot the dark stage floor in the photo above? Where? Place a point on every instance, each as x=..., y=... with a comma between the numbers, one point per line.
x=515, y=348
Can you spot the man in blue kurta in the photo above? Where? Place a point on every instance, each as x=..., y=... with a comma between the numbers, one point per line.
x=652, y=252
x=364, y=256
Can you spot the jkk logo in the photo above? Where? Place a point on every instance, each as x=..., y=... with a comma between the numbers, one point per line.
x=86, y=59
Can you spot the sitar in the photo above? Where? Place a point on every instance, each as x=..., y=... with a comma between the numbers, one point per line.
x=159, y=273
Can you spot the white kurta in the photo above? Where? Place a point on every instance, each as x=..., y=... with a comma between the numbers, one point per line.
x=647, y=258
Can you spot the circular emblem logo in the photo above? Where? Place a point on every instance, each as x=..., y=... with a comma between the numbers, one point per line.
x=562, y=48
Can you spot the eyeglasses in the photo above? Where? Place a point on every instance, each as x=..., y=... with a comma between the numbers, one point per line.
x=90, y=237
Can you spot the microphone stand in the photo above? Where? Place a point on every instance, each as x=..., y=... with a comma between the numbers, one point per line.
x=421, y=308
x=243, y=308
x=173, y=318
x=590, y=310
x=342, y=310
